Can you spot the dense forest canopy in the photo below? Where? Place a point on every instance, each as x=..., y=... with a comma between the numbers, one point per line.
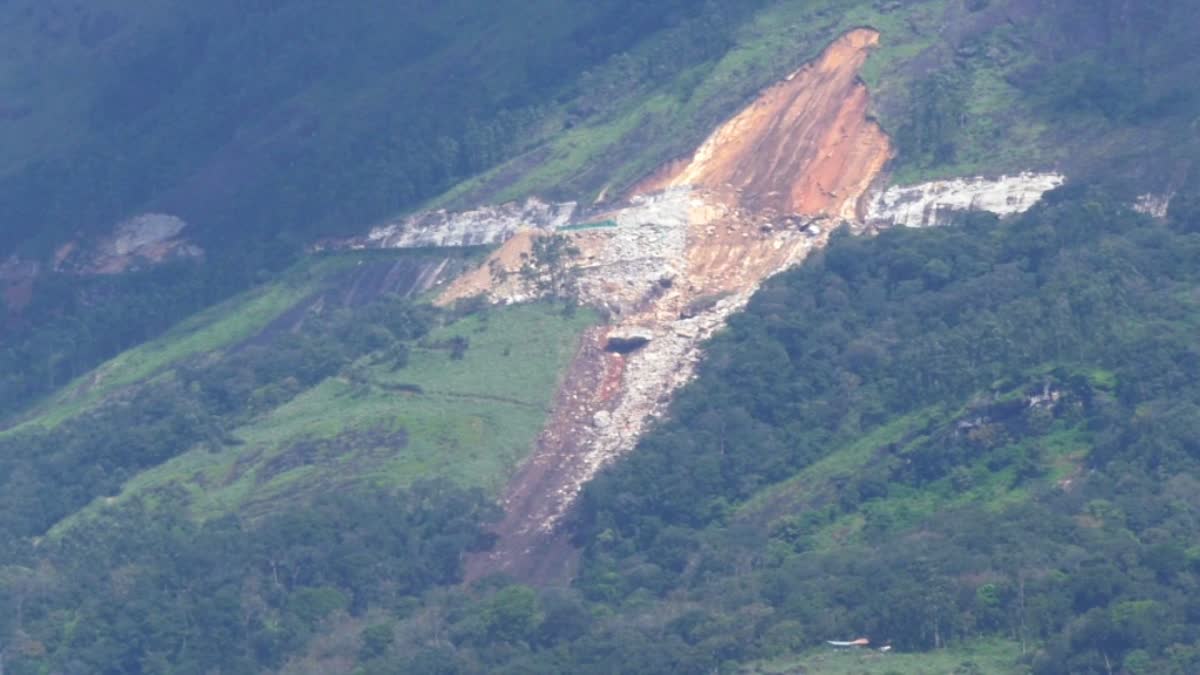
x=297, y=117
x=924, y=436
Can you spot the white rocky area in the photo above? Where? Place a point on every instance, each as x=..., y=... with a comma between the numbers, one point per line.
x=669, y=267
x=621, y=264
x=927, y=204
x=1153, y=205
x=152, y=237
x=652, y=375
x=485, y=225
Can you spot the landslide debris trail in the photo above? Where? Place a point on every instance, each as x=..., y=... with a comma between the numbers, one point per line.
x=692, y=246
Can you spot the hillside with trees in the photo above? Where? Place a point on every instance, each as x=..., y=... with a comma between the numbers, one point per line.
x=977, y=444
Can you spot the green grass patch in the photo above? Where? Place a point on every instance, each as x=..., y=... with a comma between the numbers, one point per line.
x=841, y=463
x=469, y=420
x=215, y=328
x=218, y=327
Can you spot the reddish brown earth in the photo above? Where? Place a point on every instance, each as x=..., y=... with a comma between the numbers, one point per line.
x=804, y=146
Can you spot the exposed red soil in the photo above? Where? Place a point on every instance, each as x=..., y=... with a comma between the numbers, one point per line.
x=509, y=259
x=804, y=146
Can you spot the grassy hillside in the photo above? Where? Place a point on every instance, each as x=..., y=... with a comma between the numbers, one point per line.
x=468, y=419
x=284, y=432
x=448, y=104
x=977, y=443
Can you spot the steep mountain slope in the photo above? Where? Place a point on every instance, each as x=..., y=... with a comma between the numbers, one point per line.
x=973, y=406
x=310, y=116
x=977, y=436
x=805, y=146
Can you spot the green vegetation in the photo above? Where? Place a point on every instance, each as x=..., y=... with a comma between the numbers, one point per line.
x=976, y=443
x=939, y=435
x=215, y=328
x=973, y=658
x=213, y=461
x=469, y=419
x=74, y=324
x=140, y=306
x=149, y=590
x=300, y=116
x=600, y=224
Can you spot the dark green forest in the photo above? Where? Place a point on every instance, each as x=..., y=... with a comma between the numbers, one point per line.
x=1010, y=409
x=305, y=117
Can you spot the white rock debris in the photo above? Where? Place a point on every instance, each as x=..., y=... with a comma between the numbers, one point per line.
x=485, y=225
x=675, y=267
x=152, y=237
x=927, y=204
x=652, y=375
x=1153, y=205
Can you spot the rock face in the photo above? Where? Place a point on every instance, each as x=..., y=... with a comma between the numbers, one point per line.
x=929, y=203
x=149, y=238
x=486, y=225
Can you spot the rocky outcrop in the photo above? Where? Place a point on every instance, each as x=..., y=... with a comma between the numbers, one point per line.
x=484, y=226
x=150, y=238
x=930, y=203
x=145, y=240
x=1153, y=205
